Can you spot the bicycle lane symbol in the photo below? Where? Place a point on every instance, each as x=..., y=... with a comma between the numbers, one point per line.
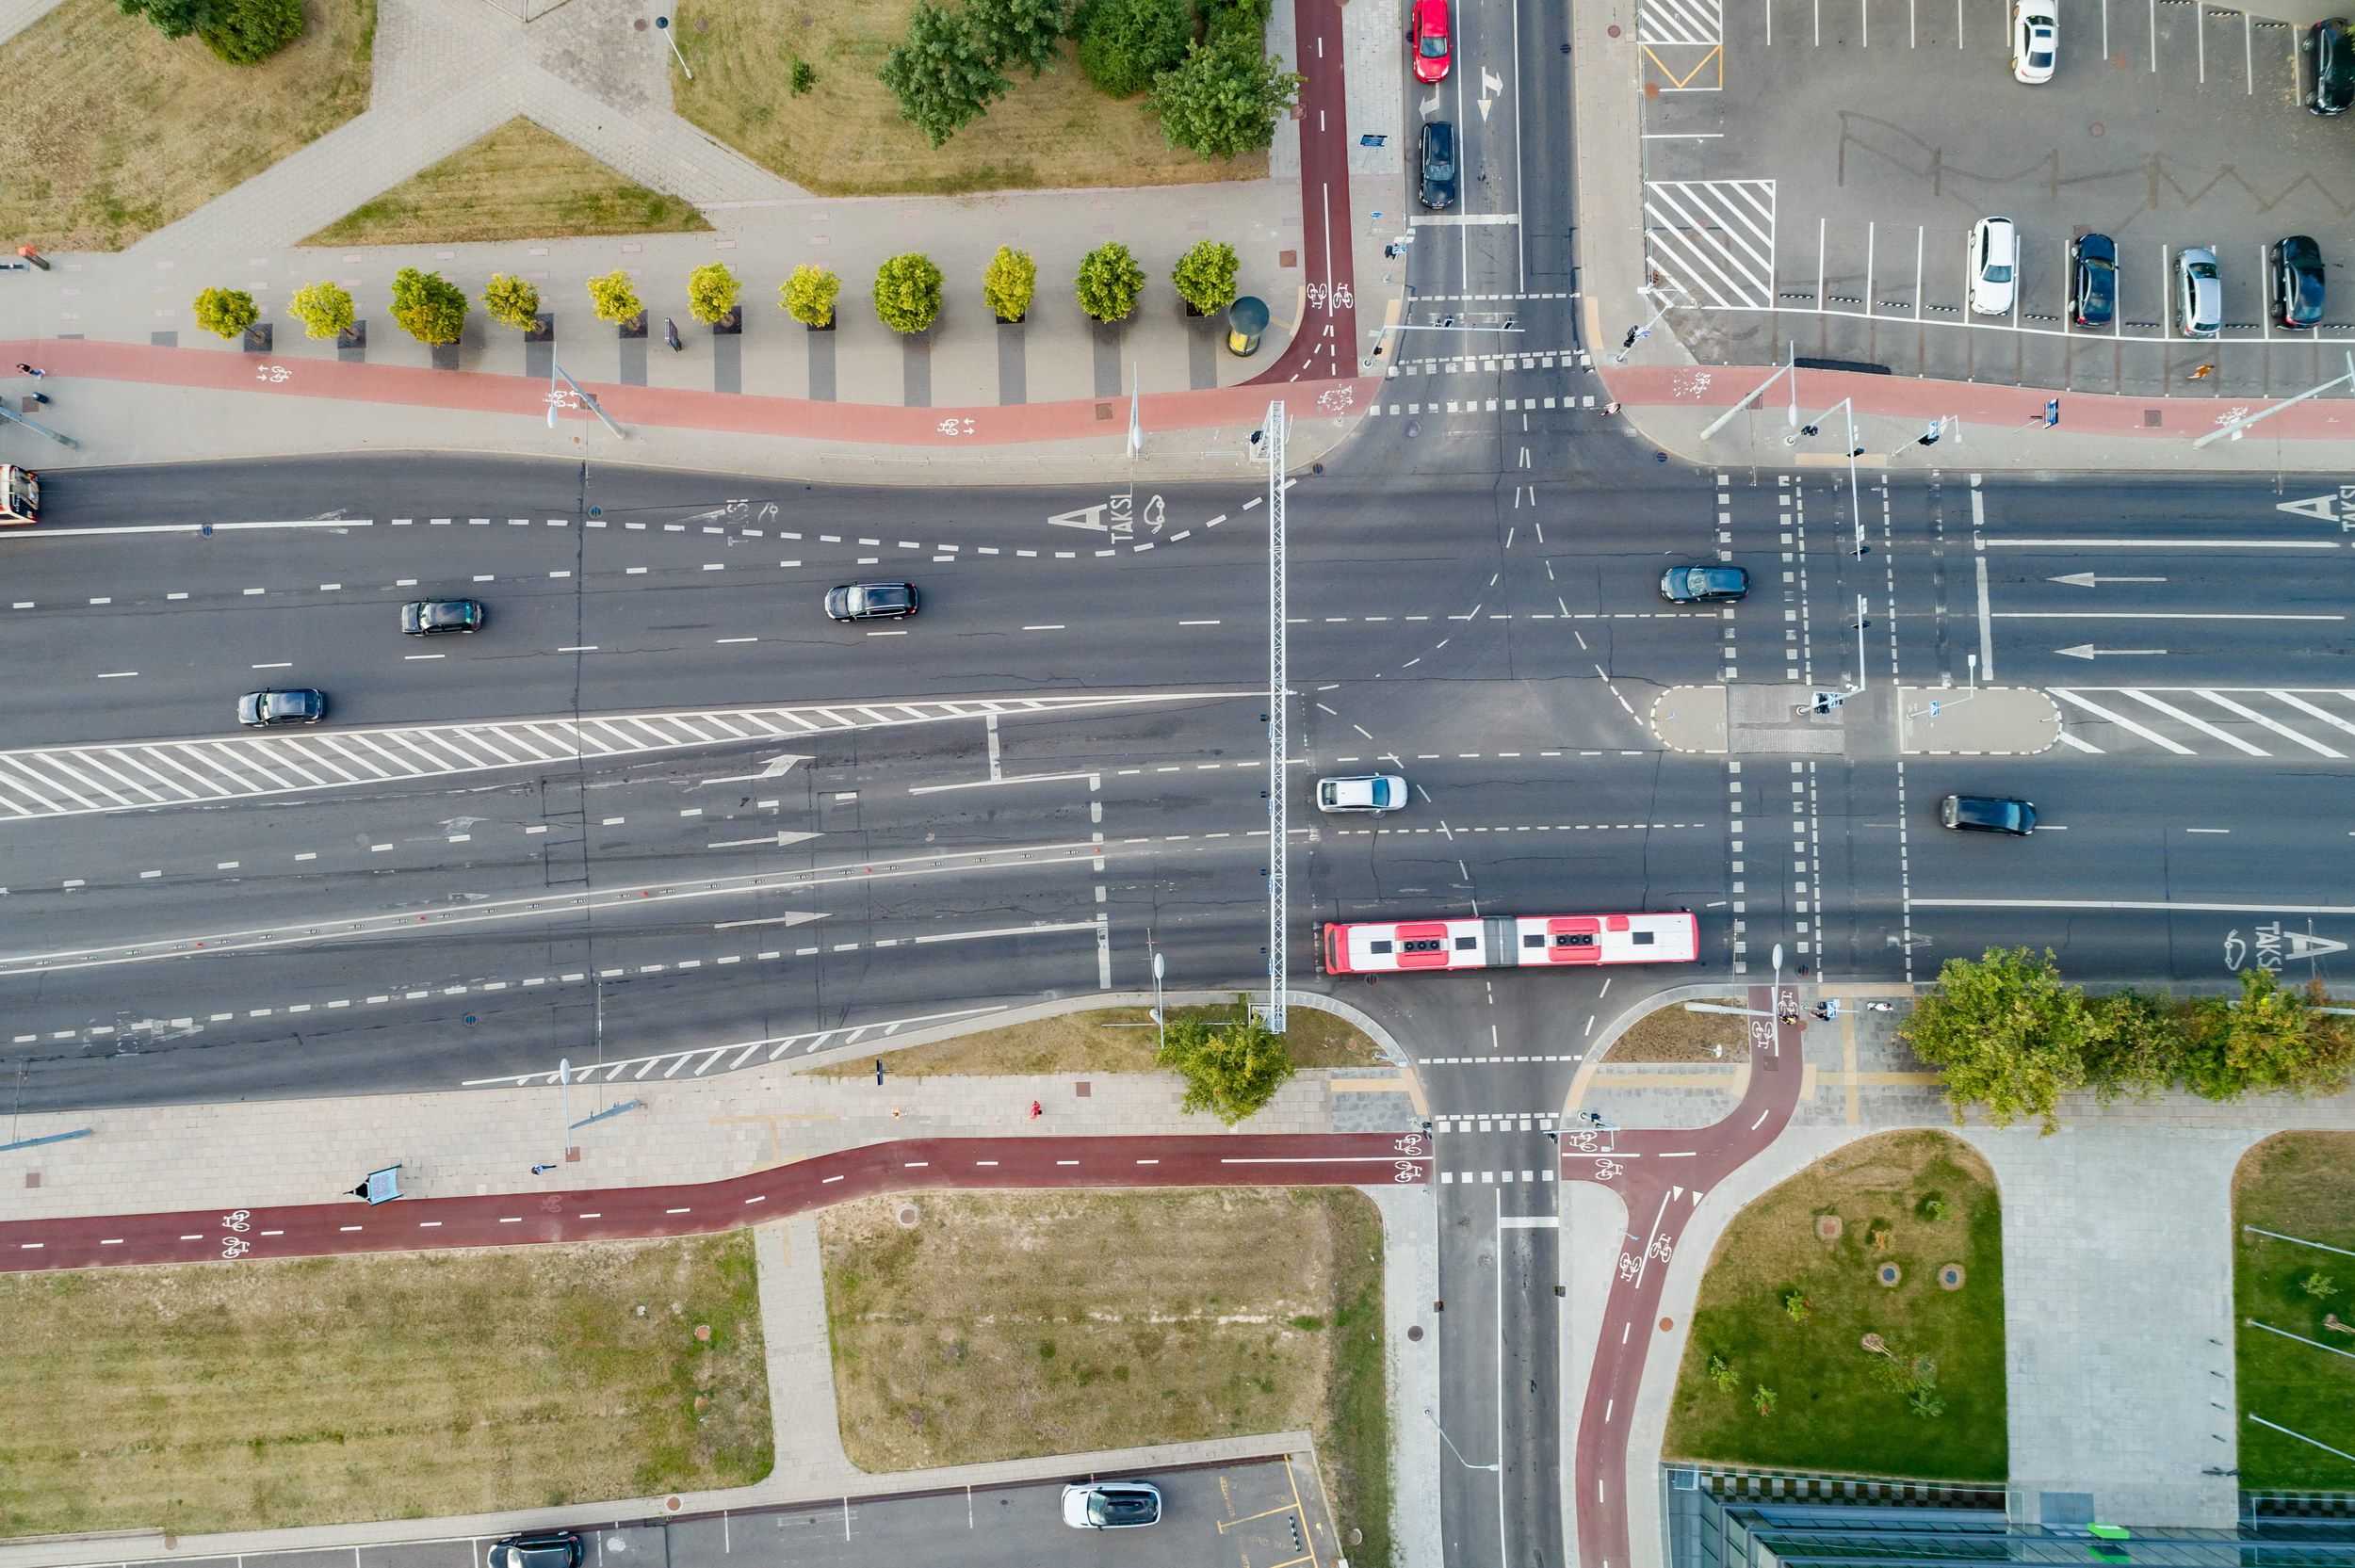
x=235, y=1222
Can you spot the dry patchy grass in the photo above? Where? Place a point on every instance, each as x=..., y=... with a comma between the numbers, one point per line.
x=1004, y=1325
x=257, y=1396
x=112, y=130
x=1107, y=1040
x=845, y=136
x=1672, y=1034
x=1834, y=1411
x=520, y=182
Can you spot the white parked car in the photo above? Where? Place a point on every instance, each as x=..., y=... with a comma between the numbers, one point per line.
x=2034, y=40
x=2199, y=292
x=1119, y=1505
x=1995, y=261
x=1375, y=792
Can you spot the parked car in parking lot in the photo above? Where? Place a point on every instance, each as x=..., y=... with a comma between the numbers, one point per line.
x=2034, y=40
x=262, y=710
x=1438, y=164
x=872, y=601
x=2298, y=282
x=538, y=1549
x=1993, y=259
x=2094, y=280
x=1697, y=585
x=2333, y=50
x=1111, y=1505
x=1988, y=814
x=431, y=616
x=2198, y=292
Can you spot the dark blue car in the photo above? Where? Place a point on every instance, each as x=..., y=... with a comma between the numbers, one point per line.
x=1438, y=164
x=2094, y=280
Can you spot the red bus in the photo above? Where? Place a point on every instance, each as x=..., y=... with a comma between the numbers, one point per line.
x=1507, y=942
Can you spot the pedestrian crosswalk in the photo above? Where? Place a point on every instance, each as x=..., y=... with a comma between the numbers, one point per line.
x=2213, y=721
x=1712, y=242
x=79, y=781
x=1448, y=1178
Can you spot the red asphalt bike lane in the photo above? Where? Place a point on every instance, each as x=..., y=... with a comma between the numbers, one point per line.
x=1315, y=375
x=1662, y=1175
x=2017, y=407
x=633, y=1213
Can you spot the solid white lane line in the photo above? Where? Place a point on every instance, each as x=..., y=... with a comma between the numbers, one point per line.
x=2159, y=906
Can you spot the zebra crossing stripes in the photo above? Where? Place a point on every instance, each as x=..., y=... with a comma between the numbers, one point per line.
x=48, y=782
x=1683, y=22
x=1713, y=239
x=2246, y=722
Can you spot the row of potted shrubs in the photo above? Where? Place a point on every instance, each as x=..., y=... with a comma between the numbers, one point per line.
x=908, y=295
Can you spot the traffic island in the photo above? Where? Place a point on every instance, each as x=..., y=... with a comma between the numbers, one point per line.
x=1981, y=721
x=1824, y=1338
x=2293, y=1296
x=1001, y=1325
x=263, y=1395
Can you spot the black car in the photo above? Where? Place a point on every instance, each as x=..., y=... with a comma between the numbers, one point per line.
x=260, y=710
x=428, y=617
x=2334, y=66
x=2094, y=280
x=871, y=601
x=2298, y=282
x=1438, y=164
x=1698, y=585
x=1988, y=814
x=538, y=1549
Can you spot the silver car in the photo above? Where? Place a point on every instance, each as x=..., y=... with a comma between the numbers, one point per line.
x=2198, y=292
x=1117, y=1505
x=1374, y=792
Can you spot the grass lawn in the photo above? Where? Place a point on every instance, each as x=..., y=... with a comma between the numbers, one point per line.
x=1672, y=1034
x=1836, y=1409
x=845, y=137
x=519, y=182
x=1082, y=1042
x=112, y=130
x=2296, y=1183
x=993, y=1329
x=257, y=1396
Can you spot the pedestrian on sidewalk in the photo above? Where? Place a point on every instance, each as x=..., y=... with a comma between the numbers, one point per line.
x=1611, y=407
x=1037, y=1110
x=24, y=370
x=1629, y=342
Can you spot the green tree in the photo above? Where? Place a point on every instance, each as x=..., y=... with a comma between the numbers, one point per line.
x=1018, y=32
x=613, y=297
x=2265, y=1041
x=940, y=73
x=245, y=32
x=324, y=309
x=805, y=76
x=2006, y=1033
x=807, y=295
x=1224, y=98
x=1125, y=43
x=2318, y=1285
x=1011, y=279
x=428, y=306
x=1230, y=1068
x=1764, y=1398
x=1110, y=281
x=1205, y=276
x=171, y=18
x=512, y=301
x=907, y=293
x=1721, y=1372
x=226, y=312
x=2135, y=1044
x=1246, y=19
x=712, y=291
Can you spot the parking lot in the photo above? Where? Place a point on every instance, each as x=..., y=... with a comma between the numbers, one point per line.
x=1251, y=1514
x=1813, y=168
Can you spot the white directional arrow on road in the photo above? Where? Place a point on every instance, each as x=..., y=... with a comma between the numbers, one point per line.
x=2303, y=945
x=1431, y=105
x=775, y=840
x=1490, y=86
x=2088, y=579
x=2088, y=651
x=1086, y=517
x=2322, y=508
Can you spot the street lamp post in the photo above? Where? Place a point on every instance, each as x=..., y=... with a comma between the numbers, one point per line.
x=1498, y=1468
x=662, y=25
x=1791, y=368
x=1636, y=334
x=555, y=370
x=2233, y=428
x=1160, y=1017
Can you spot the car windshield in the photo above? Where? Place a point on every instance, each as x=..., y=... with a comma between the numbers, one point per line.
x=1433, y=47
x=1380, y=792
x=2201, y=269
x=2040, y=58
x=1999, y=273
x=1126, y=1509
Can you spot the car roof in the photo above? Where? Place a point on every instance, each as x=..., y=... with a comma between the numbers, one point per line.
x=2099, y=246
x=1430, y=11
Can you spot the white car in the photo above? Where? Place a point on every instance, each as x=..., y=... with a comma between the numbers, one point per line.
x=1995, y=261
x=2034, y=40
x=1119, y=1505
x=1375, y=792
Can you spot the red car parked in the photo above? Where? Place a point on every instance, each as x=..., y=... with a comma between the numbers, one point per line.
x=1434, y=54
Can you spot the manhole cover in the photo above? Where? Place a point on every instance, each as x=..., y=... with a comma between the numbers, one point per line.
x=907, y=1217
x=1651, y=90
x=1357, y=1537
x=1888, y=1273
x=1827, y=1227
x=2096, y=129
x=1667, y=1324
x=1613, y=30
x=640, y=25
x=1950, y=1277
x=1414, y=1334
x=2118, y=62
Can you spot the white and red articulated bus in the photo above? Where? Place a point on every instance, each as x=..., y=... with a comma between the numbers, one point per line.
x=1508, y=941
